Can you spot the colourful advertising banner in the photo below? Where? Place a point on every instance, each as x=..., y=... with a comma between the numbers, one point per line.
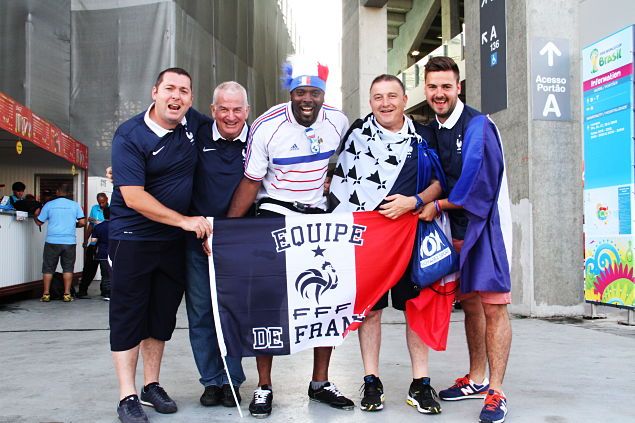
x=22, y=122
x=609, y=160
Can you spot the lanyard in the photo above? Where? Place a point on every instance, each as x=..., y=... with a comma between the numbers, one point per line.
x=313, y=140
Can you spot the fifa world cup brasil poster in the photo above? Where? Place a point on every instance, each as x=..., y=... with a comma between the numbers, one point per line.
x=609, y=163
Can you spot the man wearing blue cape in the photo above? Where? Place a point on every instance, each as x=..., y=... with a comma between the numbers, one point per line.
x=471, y=154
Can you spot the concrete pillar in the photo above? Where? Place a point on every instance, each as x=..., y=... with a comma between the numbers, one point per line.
x=543, y=159
x=450, y=25
x=363, y=54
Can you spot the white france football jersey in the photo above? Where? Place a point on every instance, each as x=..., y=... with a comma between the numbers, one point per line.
x=280, y=155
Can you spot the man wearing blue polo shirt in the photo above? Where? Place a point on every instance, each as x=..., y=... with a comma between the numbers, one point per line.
x=63, y=216
x=95, y=217
x=153, y=159
x=221, y=150
x=471, y=153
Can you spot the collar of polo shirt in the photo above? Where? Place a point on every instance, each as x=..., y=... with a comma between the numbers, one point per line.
x=242, y=137
x=155, y=127
x=454, y=117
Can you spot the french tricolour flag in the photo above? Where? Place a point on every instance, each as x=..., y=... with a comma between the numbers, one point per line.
x=281, y=285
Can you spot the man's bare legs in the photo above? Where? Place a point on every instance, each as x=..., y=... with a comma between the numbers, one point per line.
x=488, y=332
x=47, y=278
x=125, y=363
x=264, y=364
x=370, y=342
x=321, y=360
x=475, y=326
x=498, y=341
x=418, y=354
x=152, y=353
x=68, y=281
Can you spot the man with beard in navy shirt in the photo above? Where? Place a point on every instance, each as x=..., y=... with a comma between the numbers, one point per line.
x=153, y=160
x=221, y=150
x=471, y=154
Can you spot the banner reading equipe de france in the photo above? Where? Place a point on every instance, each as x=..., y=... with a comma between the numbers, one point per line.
x=281, y=285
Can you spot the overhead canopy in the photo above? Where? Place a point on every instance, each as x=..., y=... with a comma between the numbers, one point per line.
x=23, y=123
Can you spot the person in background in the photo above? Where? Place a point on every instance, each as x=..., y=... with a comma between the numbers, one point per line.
x=99, y=238
x=63, y=216
x=18, y=192
x=28, y=204
x=95, y=217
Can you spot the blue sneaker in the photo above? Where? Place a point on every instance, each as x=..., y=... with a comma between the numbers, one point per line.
x=495, y=408
x=464, y=388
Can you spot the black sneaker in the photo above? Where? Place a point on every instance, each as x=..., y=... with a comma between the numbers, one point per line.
x=329, y=394
x=82, y=294
x=260, y=405
x=228, y=397
x=129, y=410
x=154, y=395
x=212, y=396
x=423, y=397
x=373, y=394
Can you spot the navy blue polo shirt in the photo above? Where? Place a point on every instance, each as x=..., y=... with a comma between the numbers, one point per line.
x=218, y=172
x=448, y=142
x=163, y=165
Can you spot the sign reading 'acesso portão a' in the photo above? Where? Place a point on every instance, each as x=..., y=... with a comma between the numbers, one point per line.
x=550, y=70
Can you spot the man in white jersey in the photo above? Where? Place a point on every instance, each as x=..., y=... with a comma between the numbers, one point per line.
x=285, y=169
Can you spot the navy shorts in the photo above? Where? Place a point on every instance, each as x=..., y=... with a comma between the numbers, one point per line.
x=146, y=288
x=403, y=291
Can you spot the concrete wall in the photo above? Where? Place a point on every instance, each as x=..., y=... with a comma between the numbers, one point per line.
x=597, y=20
x=543, y=161
x=544, y=158
x=363, y=54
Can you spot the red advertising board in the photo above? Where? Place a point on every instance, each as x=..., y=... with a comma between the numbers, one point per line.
x=22, y=122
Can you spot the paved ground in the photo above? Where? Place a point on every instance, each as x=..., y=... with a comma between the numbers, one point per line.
x=55, y=367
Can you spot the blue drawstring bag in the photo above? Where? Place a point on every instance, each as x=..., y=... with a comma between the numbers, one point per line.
x=434, y=256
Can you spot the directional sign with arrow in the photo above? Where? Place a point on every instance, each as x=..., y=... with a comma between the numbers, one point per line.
x=550, y=75
x=550, y=49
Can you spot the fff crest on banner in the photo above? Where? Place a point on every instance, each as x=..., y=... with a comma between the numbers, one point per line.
x=280, y=285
